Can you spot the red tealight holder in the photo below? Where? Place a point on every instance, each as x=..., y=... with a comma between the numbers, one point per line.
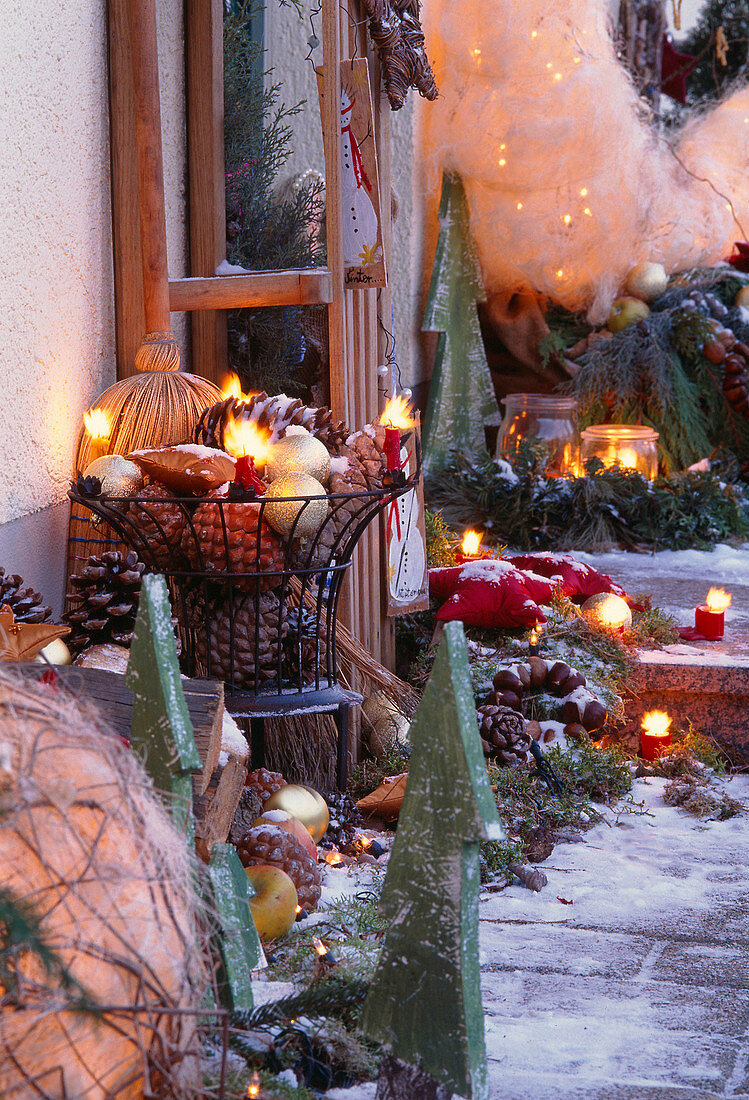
x=655, y=735
x=710, y=624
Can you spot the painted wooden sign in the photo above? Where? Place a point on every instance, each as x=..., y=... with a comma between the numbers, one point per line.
x=363, y=253
x=405, y=539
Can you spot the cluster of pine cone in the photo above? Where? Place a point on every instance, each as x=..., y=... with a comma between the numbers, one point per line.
x=725, y=349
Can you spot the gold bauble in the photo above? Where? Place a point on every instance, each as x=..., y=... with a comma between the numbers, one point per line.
x=646, y=281
x=305, y=805
x=119, y=476
x=54, y=653
x=607, y=611
x=300, y=452
x=281, y=514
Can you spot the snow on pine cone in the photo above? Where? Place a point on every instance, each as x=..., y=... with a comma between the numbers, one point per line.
x=25, y=603
x=104, y=602
x=271, y=844
x=345, y=820
x=216, y=633
x=274, y=413
x=206, y=546
x=265, y=782
x=160, y=522
x=503, y=736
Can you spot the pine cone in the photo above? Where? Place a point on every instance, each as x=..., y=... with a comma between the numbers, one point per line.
x=160, y=521
x=503, y=736
x=734, y=380
x=104, y=602
x=303, y=646
x=275, y=413
x=345, y=819
x=214, y=627
x=265, y=782
x=25, y=603
x=206, y=547
x=271, y=844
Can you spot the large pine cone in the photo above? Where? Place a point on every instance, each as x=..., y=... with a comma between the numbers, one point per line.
x=275, y=413
x=265, y=782
x=160, y=521
x=345, y=819
x=25, y=603
x=104, y=602
x=241, y=640
x=271, y=844
x=206, y=548
x=303, y=646
x=503, y=736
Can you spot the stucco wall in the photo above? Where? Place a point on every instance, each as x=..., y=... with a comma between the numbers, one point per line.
x=286, y=37
x=56, y=304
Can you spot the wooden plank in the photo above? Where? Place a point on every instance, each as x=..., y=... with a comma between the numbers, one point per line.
x=215, y=809
x=128, y=273
x=107, y=692
x=308, y=286
x=204, y=64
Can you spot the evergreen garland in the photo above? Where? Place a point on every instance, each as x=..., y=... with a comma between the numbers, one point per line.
x=616, y=507
x=265, y=230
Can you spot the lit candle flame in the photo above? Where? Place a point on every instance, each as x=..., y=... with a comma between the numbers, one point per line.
x=242, y=437
x=397, y=413
x=657, y=723
x=471, y=543
x=232, y=387
x=718, y=599
x=533, y=637
x=97, y=424
x=333, y=859
x=626, y=458
x=320, y=947
x=298, y=909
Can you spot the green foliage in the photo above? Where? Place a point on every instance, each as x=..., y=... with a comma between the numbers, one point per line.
x=335, y=996
x=607, y=508
x=265, y=231
x=710, y=80
x=497, y=855
x=651, y=626
x=440, y=540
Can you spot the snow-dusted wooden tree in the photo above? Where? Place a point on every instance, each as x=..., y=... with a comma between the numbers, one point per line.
x=461, y=394
x=425, y=1001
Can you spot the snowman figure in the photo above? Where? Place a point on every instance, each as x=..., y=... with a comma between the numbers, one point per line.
x=359, y=217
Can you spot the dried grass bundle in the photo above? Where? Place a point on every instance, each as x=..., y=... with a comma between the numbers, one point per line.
x=86, y=843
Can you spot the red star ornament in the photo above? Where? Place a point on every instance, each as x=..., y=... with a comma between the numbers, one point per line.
x=675, y=68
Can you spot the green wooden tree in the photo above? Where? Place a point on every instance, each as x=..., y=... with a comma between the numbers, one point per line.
x=461, y=394
x=238, y=942
x=425, y=1001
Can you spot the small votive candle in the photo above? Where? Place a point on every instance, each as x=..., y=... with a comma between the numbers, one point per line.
x=710, y=617
x=655, y=735
x=470, y=548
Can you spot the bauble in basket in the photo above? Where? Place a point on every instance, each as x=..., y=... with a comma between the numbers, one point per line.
x=303, y=517
x=298, y=452
x=118, y=476
x=305, y=805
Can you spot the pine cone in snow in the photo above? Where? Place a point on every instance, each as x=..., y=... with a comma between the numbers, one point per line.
x=265, y=783
x=345, y=820
x=503, y=736
x=274, y=413
x=271, y=844
x=104, y=600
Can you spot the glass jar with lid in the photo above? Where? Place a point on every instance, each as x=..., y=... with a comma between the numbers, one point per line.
x=629, y=446
x=549, y=421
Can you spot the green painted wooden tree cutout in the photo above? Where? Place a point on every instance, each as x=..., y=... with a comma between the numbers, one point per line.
x=461, y=394
x=239, y=944
x=425, y=1001
x=162, y=731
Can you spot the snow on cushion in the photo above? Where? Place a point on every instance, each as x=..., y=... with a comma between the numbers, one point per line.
x=576, y=580
x=443, y=582
x=492, y=593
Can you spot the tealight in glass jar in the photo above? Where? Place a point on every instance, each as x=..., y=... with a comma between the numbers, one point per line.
x=550, y=421
x=628, y=446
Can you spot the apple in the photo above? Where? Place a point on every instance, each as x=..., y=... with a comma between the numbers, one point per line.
x=275, y=902
x=626, y=311
x=646, y=281
x=741, y=300
x=292, y=825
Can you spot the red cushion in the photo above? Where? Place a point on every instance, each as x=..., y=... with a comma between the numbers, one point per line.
x=443, y=582
x=492, y=593
x=577, y=580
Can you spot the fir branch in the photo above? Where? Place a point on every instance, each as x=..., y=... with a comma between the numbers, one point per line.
x=332, y=997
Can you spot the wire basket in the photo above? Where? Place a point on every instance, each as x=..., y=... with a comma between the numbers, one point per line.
x=253, y=609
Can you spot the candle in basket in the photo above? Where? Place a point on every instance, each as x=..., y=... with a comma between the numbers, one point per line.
x=396, y=416
x=656, y=734
x=99, y=428
x=243, y=439
x=709, y=618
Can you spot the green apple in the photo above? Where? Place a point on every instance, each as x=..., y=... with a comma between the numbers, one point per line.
x=646, y=281
x=275, y=903
x=626, y=311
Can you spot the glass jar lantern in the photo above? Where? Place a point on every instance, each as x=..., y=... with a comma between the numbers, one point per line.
x=549, y=421
x=628, y=446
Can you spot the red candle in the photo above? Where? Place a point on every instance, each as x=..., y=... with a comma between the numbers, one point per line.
x=656, y=734
x=470, y=548
x=392, y=447
x=710, y=617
